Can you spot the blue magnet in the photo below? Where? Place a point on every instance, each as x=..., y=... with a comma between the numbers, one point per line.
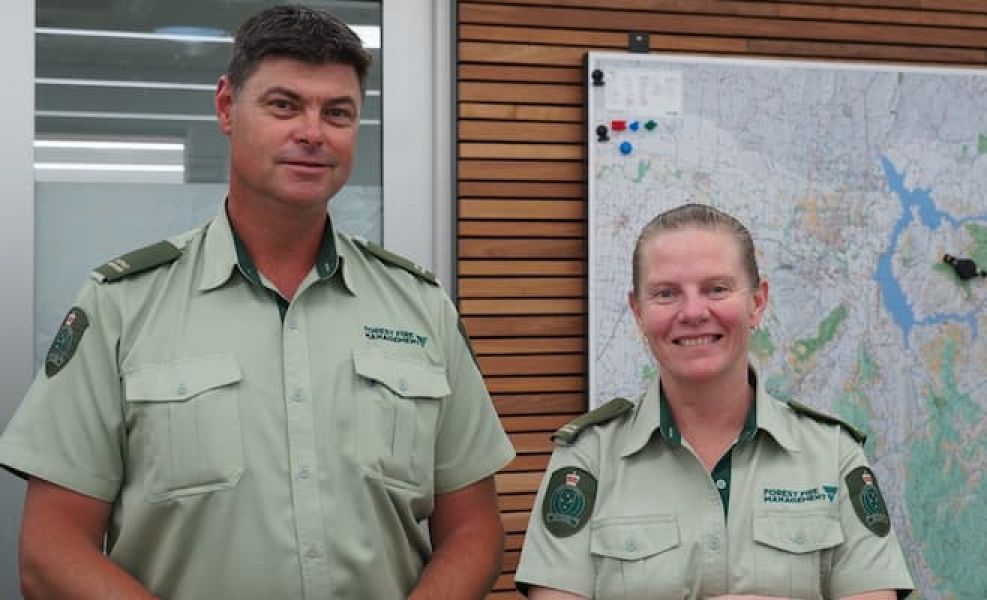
x=634, y=126
x=626, y=148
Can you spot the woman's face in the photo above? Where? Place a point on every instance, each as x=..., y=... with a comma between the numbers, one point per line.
x=695, y=305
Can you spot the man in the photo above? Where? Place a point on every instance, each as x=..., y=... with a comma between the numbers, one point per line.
x=264, y=407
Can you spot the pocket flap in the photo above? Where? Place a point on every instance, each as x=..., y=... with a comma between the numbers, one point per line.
x=634, y=538
x=181, y=379
x=404, y=377
x=798, y=533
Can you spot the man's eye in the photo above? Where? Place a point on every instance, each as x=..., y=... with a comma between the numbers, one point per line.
x=664, y=295
x=281, y=104
x=719, y=291
x=339, y=114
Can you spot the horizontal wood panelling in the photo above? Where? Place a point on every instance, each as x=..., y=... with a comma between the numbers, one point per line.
x=519, y=404
x=547, y=326
x=521, y=188
x=528, y=462
x=520, y=385
x=540, y=345
x=522, y=287
x=520, y=112
x=509, y=502
x=753, y=27
x=513, y=131
x=513, y=73
x=521, y=248
x=549, y=46
x=499, y=229
x=546, y=364
x=524, y=209
x=867, y=13
x=521, y=151
x=522, y=93
x=515, y=306
x=535, y=422
x=514, y=170
x=514, y=483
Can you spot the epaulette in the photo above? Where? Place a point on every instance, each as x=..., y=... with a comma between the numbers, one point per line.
x=138, y=261
x=396, y=260
x=568, y=433
x=814, y=414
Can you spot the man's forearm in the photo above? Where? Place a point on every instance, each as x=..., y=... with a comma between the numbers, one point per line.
x=79, y=573
x=463, y=568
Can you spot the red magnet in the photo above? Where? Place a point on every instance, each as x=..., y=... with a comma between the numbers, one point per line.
x=618, y=125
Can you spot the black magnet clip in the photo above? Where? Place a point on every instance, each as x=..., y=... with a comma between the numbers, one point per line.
x=602, y=133
x=965, y=268
x=597, y=76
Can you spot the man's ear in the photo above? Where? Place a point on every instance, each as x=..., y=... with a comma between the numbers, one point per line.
x=223, y=103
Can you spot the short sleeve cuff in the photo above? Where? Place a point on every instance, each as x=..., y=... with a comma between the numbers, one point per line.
x=24, y=465
x=494, y=461
x=850, y=583
x=574, y=583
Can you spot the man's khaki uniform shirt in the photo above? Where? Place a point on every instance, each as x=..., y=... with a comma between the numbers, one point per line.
x=254, y=448
x=660, y=527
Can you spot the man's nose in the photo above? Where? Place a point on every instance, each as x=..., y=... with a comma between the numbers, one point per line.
x=309, y=131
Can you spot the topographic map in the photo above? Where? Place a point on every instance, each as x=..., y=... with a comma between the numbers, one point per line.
x=855, y=180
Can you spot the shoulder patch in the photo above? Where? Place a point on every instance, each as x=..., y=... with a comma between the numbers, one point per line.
x=568, y=433
x=569, y=500
x=386, y=256
x=868, y=503
x=822, y=417
x=138, y=261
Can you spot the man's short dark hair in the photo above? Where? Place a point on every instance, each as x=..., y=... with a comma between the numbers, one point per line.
x=299, y=32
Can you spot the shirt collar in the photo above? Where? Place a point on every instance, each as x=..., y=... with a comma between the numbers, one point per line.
x=224, y=251
x=654, y=414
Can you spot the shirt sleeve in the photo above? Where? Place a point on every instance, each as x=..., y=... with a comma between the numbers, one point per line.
x=69, y=428
x=550, y=560
x=471, y=443
x=870, y=557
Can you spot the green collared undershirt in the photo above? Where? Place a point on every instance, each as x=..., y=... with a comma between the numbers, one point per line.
x=721, y=472
x=326, y=263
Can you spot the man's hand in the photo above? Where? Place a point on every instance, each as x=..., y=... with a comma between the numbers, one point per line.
x=61, y=548
x=468, y=545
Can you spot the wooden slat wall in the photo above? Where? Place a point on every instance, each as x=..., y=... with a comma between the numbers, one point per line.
x=521, y=198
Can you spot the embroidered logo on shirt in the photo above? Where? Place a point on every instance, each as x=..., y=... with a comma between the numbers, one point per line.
x=569, y=500
x=398, y=336
x=868, y=503
x=66, y=341
x=816, y=494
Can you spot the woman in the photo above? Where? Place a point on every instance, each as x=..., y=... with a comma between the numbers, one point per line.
x=707, y=486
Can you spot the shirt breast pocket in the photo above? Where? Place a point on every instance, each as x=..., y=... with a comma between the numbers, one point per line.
x=637, y=557
x=793, y=552
x=184, y=417
x=399, y=408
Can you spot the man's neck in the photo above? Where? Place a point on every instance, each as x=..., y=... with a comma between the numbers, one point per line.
x=283, y=244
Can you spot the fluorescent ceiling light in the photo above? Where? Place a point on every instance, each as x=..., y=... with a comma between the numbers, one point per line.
x=66, y=166
x=369, y=35
x=107, y=145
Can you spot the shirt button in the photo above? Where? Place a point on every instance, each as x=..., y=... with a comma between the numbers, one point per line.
x=181, y=389
x=630, y=545
x=304, y=473
x=292, y=324
x=298, y=395
x=721, y=484
x=713, y=543
x=313, y=551
x=402, y=385
x=800, y=537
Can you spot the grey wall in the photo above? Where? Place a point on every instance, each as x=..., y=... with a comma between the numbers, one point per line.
x=16, y=252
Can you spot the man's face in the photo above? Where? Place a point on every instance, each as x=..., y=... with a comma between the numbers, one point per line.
x=292, y=129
